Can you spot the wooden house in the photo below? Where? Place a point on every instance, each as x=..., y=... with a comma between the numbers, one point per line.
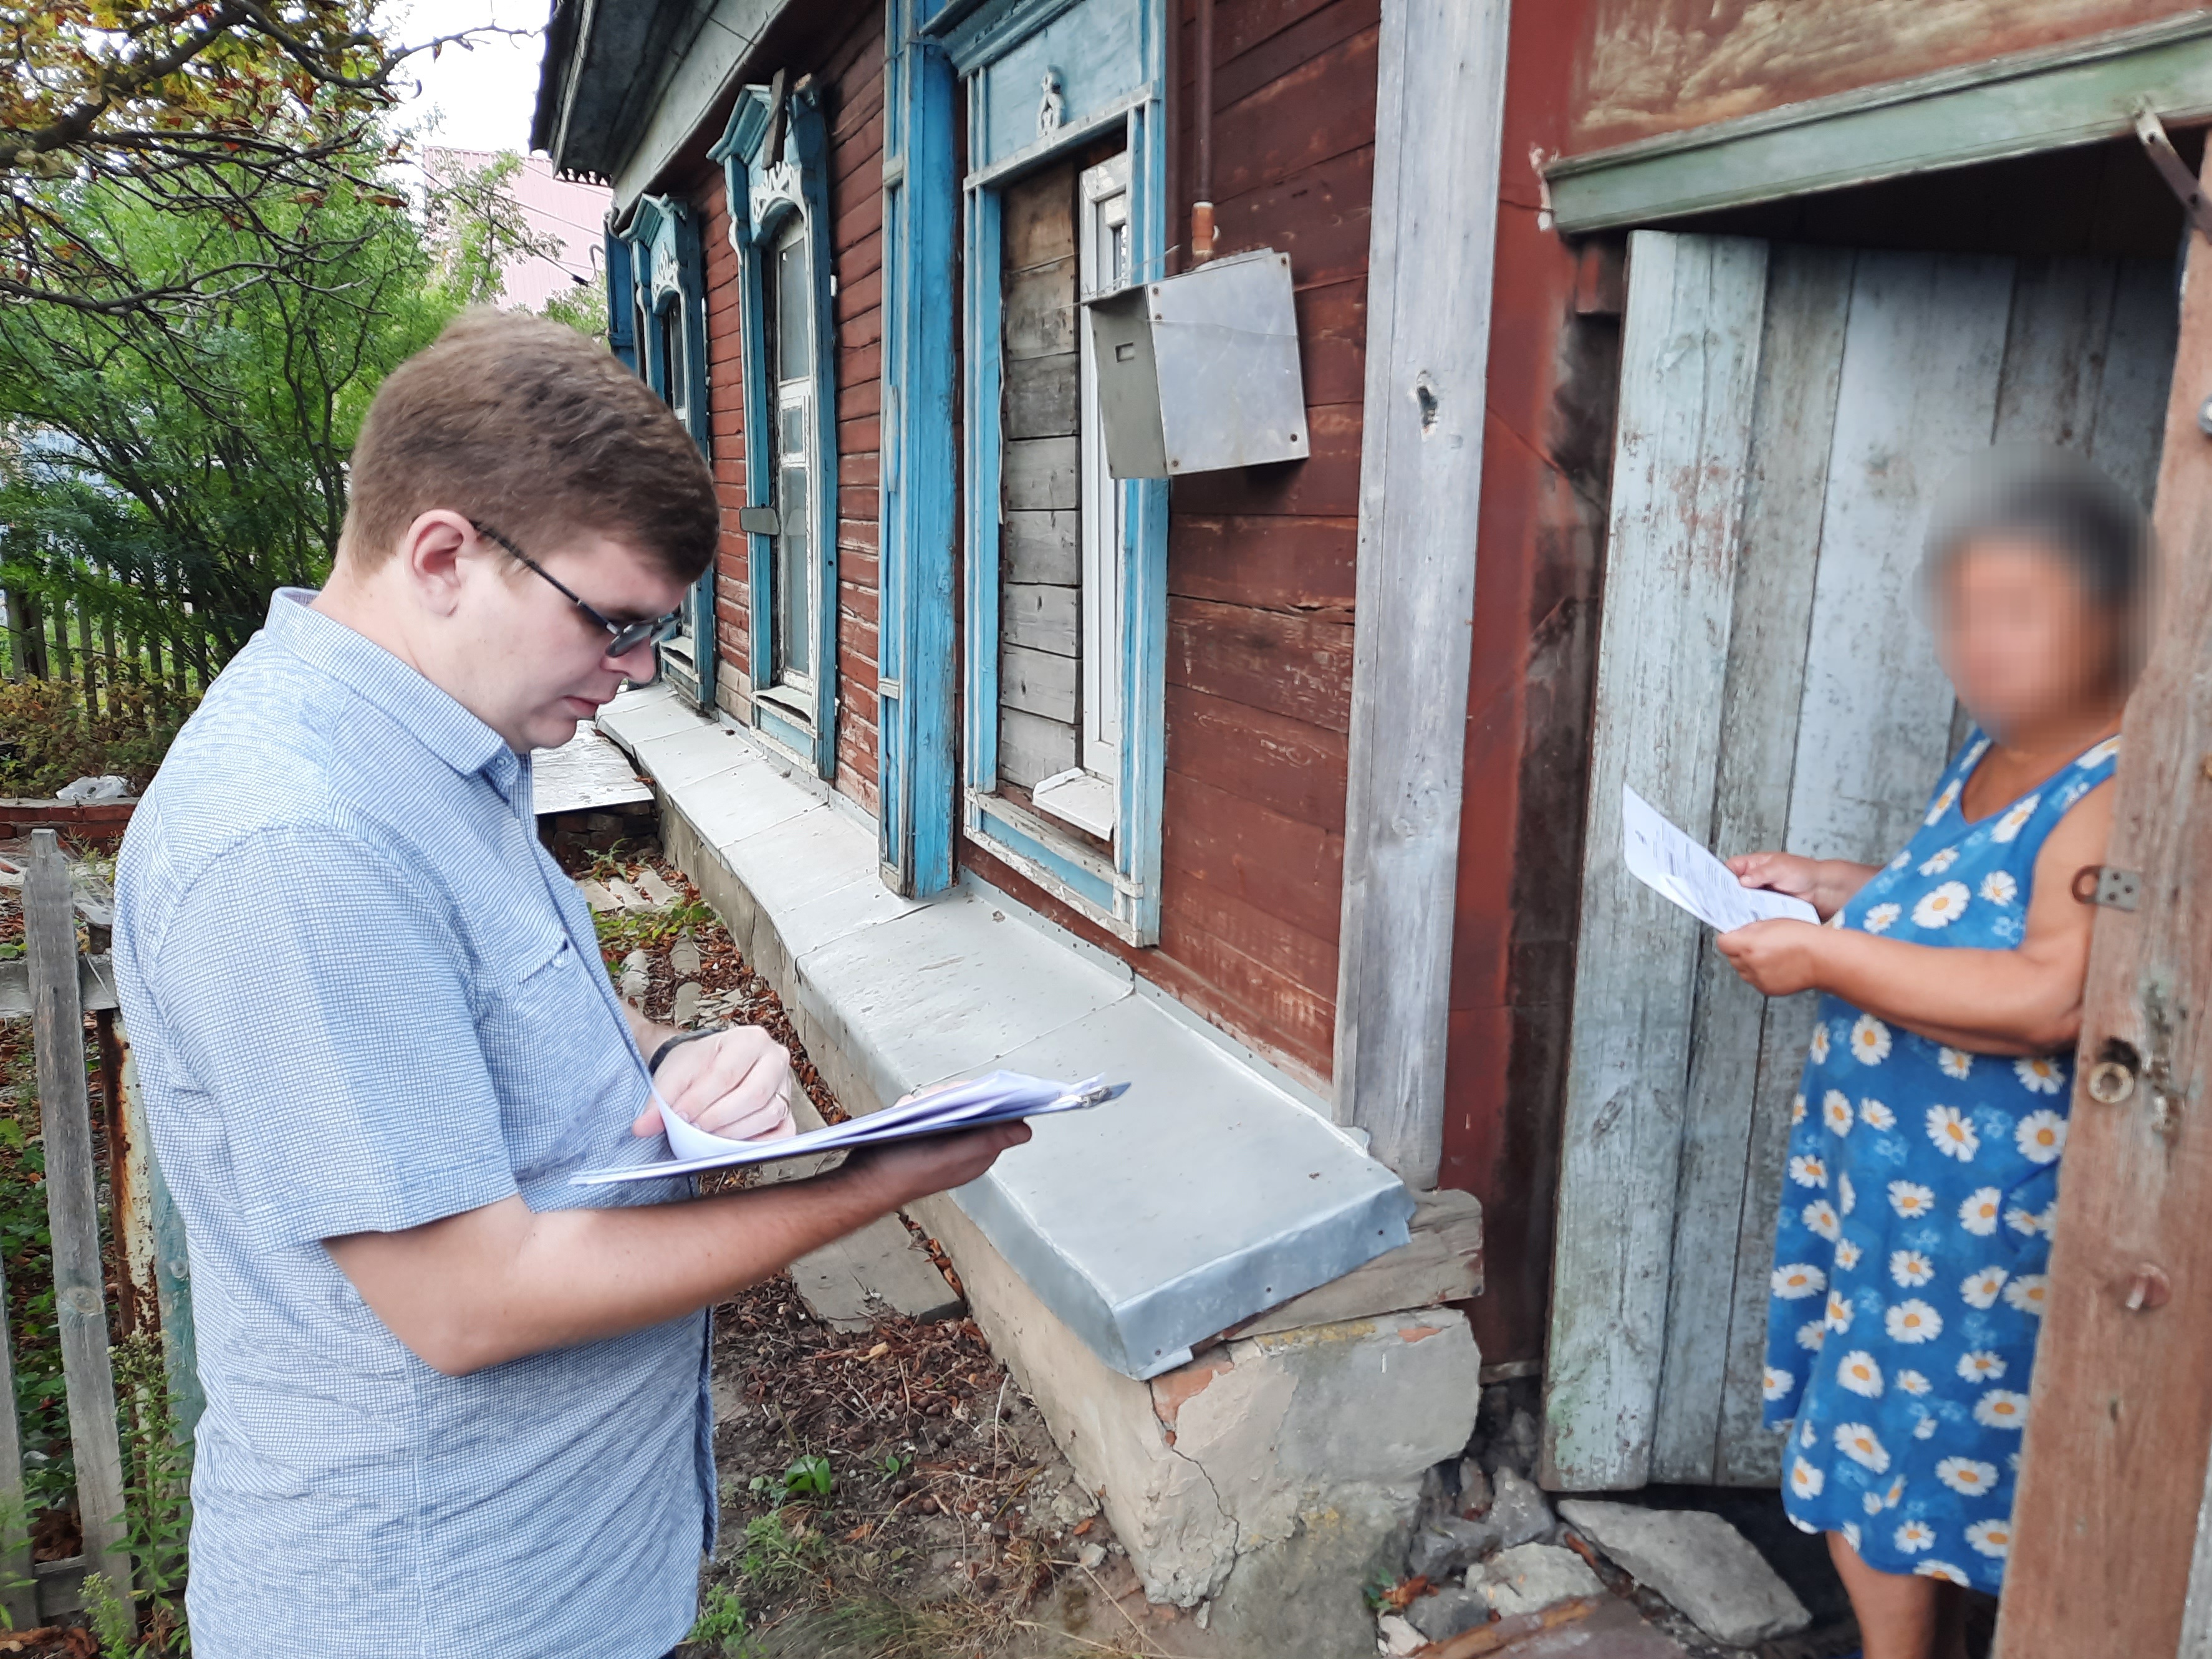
x=1636, y=336
x=950, y=673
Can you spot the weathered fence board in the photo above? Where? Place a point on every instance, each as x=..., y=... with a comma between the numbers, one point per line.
x=65, y=1125
x=95, y=987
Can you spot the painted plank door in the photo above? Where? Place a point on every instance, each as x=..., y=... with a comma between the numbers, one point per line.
x=2114, y=1483
x=1765, y=678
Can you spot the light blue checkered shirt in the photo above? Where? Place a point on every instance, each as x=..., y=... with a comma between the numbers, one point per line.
x=361, y=997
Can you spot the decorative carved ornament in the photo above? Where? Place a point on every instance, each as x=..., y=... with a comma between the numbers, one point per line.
x=773, y=189
x=1052, y=107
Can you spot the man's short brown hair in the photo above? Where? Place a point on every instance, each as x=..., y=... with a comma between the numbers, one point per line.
x=529, y=429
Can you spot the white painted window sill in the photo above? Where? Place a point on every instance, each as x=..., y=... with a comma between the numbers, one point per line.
x=1206, y=1196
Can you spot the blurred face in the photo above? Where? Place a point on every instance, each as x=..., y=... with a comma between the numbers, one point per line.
x=2023, y=641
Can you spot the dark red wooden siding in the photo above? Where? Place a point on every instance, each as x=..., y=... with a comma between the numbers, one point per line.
x=1260, y=563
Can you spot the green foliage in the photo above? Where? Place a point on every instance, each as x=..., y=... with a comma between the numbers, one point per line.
x=809, y=1477
x=477, y=225
x=169, y=477
x=112, y=1626
x=48, y=737
x=622, y=932
x=14, y=1544
x=583, y=308
x=232, y=109
x=165, y=478
x=722, y=1623
x=780, y=1550
x=157, y=1514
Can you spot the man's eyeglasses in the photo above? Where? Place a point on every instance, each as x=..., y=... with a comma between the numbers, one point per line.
x=622, y=638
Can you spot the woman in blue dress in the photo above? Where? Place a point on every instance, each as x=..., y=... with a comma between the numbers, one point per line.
x=1923, y=1170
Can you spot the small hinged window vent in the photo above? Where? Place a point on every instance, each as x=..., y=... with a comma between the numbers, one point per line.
x=1200, y=372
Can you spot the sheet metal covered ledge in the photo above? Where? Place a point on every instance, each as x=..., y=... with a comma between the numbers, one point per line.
x=1206, y=1195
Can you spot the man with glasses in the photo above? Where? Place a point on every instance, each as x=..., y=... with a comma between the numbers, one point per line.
x=456, y=1405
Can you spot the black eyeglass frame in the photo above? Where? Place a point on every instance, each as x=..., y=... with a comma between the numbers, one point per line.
x=623, y=637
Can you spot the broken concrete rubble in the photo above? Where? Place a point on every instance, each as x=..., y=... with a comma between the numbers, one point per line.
x=1450, y=1547
x=1699, y=1563
x=1444, y=1613
x=1520, y=1512
x=1274, y=1475
x=1533, y=1577
x=1399, y=1637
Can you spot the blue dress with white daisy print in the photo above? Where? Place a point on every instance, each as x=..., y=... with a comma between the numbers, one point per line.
x=1915, y=1218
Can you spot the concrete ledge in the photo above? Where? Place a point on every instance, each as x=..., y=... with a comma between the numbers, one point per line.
x=1205, y=1197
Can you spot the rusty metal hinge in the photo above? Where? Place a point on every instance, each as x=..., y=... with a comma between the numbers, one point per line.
x=2100, y=884
x=2171, y=169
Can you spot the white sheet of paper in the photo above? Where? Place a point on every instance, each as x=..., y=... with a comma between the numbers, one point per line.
x=1667, y=861
x=998, y=1097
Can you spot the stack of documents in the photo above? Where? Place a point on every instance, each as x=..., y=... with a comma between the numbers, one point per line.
x=1669, y=862
x=1001, y=1097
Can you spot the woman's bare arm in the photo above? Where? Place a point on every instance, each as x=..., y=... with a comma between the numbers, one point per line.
x=2023, y=1001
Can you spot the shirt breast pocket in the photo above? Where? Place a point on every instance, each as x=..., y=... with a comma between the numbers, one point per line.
x=557, y=1056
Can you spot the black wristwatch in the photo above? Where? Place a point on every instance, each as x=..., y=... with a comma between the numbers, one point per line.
x=679, y=1041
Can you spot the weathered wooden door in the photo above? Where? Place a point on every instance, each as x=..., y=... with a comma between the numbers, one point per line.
x=1765, y=679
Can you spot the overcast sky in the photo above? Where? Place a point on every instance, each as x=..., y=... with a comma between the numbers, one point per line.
x=481, y=98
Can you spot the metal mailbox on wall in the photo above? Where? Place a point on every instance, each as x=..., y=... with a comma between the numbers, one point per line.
x=1200, y=372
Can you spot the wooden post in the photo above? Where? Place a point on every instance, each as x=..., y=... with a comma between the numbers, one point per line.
x=2120, y=1417
x=1438, y=124
x=72, y=1207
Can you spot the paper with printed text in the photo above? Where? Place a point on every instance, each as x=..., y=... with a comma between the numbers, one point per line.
x=1667, y=861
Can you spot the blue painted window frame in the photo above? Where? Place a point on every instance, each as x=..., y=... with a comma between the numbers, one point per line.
x=917, y=659
x=621, y=302
x=764, y=192
x=1106, y=62
x=662, y=267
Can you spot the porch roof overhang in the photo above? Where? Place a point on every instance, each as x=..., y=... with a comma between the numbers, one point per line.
x=627, y=83
x=2082, y=92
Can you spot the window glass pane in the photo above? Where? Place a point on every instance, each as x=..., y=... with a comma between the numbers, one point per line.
x=678, y=391
x=795, y=333
x=792, y=440
x=794, y=634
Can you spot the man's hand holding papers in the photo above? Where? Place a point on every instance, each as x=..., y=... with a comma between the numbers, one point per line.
x=1000, y=1098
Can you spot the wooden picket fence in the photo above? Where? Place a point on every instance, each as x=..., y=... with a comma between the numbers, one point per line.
x=50, y=641
x=55, y=986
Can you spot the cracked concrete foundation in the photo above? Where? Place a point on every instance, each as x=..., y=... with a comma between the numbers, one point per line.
x=1272, y=1475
